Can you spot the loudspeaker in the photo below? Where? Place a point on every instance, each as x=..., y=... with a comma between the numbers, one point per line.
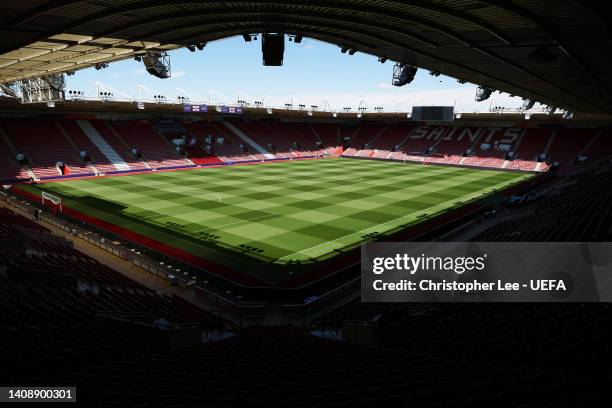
x=273, y=49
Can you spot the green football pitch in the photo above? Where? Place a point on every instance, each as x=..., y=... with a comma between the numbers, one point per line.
x=280, y=213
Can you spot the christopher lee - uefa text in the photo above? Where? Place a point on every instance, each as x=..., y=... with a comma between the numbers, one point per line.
x=458, y=265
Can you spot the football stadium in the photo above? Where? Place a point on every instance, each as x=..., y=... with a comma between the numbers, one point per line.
x=300, y=247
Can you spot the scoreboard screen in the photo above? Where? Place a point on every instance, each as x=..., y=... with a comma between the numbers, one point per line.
x=433, y=113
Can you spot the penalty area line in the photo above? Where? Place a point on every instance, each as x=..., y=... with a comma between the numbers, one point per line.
x=234, y=223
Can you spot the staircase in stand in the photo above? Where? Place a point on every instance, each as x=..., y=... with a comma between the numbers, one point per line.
x=248, y=140
x=97, y=139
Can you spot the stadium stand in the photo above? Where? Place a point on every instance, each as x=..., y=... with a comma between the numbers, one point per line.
x=142, y=146
x=84, y=144
x=229, y=150
x=95, y=289
x=60, y=309
x=328, y=134
x=26, y=137
x=285, y=366
x=10, y=170
x=568, y=144
x=156, y=151
x=563, y=214
x=265, y=138
x=110, y=144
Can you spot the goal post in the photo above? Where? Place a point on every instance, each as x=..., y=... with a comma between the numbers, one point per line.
x=53, y=199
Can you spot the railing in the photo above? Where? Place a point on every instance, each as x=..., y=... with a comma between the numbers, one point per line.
x=139, y=260
x=325, y=299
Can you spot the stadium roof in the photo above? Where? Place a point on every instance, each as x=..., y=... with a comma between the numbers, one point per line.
x=554, y=51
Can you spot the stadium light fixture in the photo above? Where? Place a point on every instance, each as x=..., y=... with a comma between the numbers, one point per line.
x=74, y=93
x=403, y=74
x=200, y=46
x=568, y=115
x=344, y=50
x=309, y=113
x=158, y=64
x=462, y=81
x=352, y=51
x=269, y=111
x=382, y=60
x=335, y=114
x=191, y=48
x=298, y=38
x=247, y=37
x=527, y=116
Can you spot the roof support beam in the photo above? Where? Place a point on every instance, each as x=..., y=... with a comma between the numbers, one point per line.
x=142, y=5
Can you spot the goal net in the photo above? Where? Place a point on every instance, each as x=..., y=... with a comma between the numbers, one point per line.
x=51, y=200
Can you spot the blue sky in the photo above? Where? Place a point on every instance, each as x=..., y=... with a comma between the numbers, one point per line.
x=313, y=72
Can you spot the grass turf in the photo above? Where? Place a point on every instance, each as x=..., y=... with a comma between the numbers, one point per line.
x=286, y=212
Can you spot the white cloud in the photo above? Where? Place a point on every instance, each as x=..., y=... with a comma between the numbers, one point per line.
x=307, y=46
x=384, y=86
x=140, y=71
x=178, y=74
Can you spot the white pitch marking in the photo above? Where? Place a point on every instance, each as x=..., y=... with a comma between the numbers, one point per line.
x=232, y=223
x=467, y=199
